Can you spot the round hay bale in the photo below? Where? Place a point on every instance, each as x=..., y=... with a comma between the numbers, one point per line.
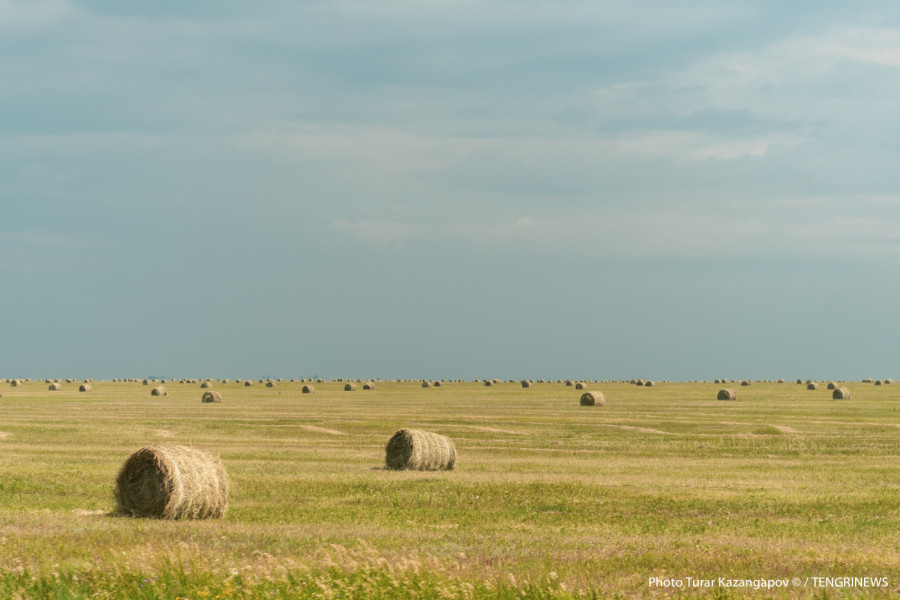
x=877, y=382
x=437, y=383
x=15, y=382
x=172, y=482
x=780, y=381
x=840, y=393
x=270, y=384
x=639, y=382
x=426, y=384
x=812, y=385
x=349, y=387
x=580, y=385
x=569, y=383
x=308, y=389
x=831, y=385
x=248, y=383
x=488, y=382
x=54, y=387
x=526, y=383
x=649, y=383
x=159, y=390
x=726, y=394
x=799, y=382
x=417, y=450
x=745, y=383
x=205, y=385
x=593, y=399
x=211, y=396
x=85, y=387
x=369, y=385
x=888, y=381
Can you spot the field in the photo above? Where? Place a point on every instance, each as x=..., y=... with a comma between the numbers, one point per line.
x=549, y=499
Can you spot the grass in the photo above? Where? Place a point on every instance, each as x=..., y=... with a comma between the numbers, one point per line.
x=550, y=499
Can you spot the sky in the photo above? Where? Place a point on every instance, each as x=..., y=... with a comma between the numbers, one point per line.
x=450, y=189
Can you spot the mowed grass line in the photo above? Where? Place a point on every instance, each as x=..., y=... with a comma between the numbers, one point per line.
x=549, y=497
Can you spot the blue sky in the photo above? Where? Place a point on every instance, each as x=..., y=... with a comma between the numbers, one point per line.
x=674, y=190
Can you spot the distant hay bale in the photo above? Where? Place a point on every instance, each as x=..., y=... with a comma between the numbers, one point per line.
x=594, y=398
x=569, y=383
x=54, y=387
x=369, y=385
x=649, y=383
x=349, y=387
x=888, y=381
x=270, y=384
x=211, y=396
x=426, y=384
x=437, y=383
x=488, y=382
x=526, y=383
x=308, y=389
x=172, y=482
x=799, y=382
x=248, y=383
x=780, y=381
x=205, y=385
x=877, y=382
x=85, y=387
x=15, y=382
x=159, y=390
x=717, y=382
x=639, y=382
x=831, y=385
x=812, y=385
x=840, y=393
x=726, y=394
x=580, y=385
x=417, y=450
x=745, y=382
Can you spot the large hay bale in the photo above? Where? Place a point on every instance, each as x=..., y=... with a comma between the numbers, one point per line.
x=248, y=383
x=349, y=387
x=569, y=383
x=54, y=387
x=593, y=399
x=726, y=394
x=270, y=384
x=417, y=450
x=745, y=382
x=840, y=393
x=649, y=383
x=526, y=383
x=877, y=382
x=172, y=482
x=85, y=387
x=159, y=390
x=369, y=385
x=812, y=385
x=831, y=385
x=426, y=384
x=308, y=389
x=15, y=382
x=205, y=385
x=580, y=385
x=211, y=396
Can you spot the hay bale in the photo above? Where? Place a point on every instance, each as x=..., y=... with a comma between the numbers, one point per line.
x=369, y=385
x=205, y=385
x=877, y=382
x=593, y=399
x=488, y=382
x=831, y=385
x=812, y=385
x=799, y=382
x=85, y=387
x=580, y=385
x=308, y=389
x=726, y=394
x=248, y=383
x=417, y=450
x=349, y=387
x=649, y=383
x=569, y=383
x=159, y=390
x=745, y=383
x=426, y=384
x=15, y=382
x=526, y=383
x=54, y=387
x=270, y=384
x=840, y=393
x=437, y=383
x=211, y=396
x=780, y=381
x=172, y=482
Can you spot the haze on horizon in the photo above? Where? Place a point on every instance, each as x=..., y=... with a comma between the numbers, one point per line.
x=443, y=189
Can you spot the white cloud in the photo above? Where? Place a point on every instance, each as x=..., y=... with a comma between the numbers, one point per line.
x=16, y=14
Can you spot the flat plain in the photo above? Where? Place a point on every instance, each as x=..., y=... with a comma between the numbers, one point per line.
x=549, y=499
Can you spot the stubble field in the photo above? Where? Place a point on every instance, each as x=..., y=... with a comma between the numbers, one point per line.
x=549, y=499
